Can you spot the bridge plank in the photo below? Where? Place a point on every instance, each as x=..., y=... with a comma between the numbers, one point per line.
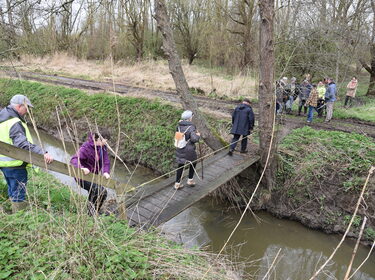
x=198, y=193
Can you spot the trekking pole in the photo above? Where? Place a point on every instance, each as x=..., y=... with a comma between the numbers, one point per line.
x=200, y=155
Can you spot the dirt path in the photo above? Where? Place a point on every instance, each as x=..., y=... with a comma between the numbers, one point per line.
x=220, y=108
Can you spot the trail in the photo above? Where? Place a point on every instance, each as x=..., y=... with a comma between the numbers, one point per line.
x=219, y=108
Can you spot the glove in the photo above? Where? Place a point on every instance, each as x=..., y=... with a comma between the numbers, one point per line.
x=106, y=175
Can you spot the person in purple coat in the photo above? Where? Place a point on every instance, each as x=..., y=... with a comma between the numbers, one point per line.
x=92, y=157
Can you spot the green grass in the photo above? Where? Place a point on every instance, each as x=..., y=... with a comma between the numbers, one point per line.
x=324, y=172
x=150, y=124
x=57, y=240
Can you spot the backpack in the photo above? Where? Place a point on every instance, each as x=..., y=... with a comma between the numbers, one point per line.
x=179, y=139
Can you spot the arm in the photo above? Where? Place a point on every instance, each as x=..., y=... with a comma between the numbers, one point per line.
x=194, y=138
x=18, y=135
x=251, y=119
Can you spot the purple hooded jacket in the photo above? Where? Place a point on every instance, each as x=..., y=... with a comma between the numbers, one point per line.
x=93, y=158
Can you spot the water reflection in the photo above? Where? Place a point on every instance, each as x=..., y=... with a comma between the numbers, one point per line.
x=302, y=250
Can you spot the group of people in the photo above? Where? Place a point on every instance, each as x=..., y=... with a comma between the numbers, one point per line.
x=318, y=97
x=92, y=157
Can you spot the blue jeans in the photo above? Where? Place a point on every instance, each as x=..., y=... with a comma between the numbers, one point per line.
x=310, y=113
x=16, y=179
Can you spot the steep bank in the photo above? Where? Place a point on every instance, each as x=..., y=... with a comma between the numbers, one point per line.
x=320, y=177
x=57, y=240
x=149, y=125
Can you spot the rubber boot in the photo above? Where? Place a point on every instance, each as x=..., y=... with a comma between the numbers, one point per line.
x=18, y=206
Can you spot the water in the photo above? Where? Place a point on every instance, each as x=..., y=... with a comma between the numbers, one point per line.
x=209, y=224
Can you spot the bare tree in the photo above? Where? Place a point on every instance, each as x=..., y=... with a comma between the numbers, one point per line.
x=178, y=75
x=371, y=69
x=266, y=91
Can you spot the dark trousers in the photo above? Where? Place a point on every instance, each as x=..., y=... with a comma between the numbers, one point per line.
x=181, y=169
x=302, y=104
x=235, y=139
x=348, y=99
x=97, y=195
x=320, y=107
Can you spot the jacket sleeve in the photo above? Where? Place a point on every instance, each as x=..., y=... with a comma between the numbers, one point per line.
x=81, y=158
x=251, y=119
x=234, y=115
x=106, y=162
x=18, y=135
x=194, y=138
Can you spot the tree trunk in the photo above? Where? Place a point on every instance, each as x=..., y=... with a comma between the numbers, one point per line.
x=266, y=90
x=188, y=102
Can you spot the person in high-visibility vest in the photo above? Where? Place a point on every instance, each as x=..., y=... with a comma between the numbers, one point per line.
x=14, y=131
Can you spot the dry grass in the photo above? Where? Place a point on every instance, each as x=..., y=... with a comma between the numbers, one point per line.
x=150, y=74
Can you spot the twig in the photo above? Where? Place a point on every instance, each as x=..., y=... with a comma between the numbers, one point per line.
x=359, y=267
x=348, y=228
x=272, y=264
x=355, y=248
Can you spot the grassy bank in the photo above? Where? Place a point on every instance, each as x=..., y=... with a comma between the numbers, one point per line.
x=64, y=243
x=149, y=125
x=320, y=178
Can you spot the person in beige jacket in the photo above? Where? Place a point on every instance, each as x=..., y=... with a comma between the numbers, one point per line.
x=351, y=91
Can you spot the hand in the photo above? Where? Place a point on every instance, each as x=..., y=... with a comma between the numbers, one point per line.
x=198, y=134
x=85, y=170
x=106, y=175
x=48, y=158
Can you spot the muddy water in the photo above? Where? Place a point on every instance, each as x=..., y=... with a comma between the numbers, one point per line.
x=209, y=224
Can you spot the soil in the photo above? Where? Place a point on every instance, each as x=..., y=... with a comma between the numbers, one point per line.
x=323, y=208
x=219, y=108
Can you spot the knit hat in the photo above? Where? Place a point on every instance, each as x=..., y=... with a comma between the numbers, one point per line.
x=21, y=100
x=186, y=115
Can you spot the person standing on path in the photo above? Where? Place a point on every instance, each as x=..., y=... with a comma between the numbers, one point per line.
x=351, y=91
x=92, y=157
x=330, y=98
x=14, y=131
x=186, y=155
x=242, y=124
x=312, y=103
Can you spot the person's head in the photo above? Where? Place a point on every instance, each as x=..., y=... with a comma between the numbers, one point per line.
x=320, y=83
x=246, y=101
x=354, y=78
x=293, y=80
x=20, y=103
x=187, y=115
x=305, y=82
x=100, y=139
x=329, y=80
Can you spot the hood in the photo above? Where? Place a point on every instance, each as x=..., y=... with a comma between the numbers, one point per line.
x=8, y=113
x=185, y=123
x=243, y=106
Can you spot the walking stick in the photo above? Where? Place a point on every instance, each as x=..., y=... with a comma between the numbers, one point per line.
x=200, y=155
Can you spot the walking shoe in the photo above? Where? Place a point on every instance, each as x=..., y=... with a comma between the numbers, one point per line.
x=308, y=121
x=190, y=183
x=243, y=151
x=178, y=186
x=230, y=153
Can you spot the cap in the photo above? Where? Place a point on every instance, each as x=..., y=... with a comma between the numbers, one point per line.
x=20, y=99
x=247, y=100
x=186, y=115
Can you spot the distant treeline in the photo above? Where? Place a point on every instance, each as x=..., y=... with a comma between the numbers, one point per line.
x=321, y=37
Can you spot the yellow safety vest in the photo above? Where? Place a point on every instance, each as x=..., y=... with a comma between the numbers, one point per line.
x=4, y=137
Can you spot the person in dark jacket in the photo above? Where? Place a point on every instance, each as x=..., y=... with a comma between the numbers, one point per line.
x=242, y=124
x=92, y=157
x=187, y=155
x=304, y=94
x=14, y=131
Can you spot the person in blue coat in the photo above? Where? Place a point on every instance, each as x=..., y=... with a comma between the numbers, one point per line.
x=242, y=124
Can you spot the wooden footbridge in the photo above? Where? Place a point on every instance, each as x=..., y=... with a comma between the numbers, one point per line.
x=152, y=205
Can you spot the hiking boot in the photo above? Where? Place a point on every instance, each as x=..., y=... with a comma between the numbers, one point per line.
x=230, y=153
x=178, y=186
x=244, y=151
x=18, y=206
x=190, y=183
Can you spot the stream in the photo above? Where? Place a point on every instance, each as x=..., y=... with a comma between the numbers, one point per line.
x=208, y=224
